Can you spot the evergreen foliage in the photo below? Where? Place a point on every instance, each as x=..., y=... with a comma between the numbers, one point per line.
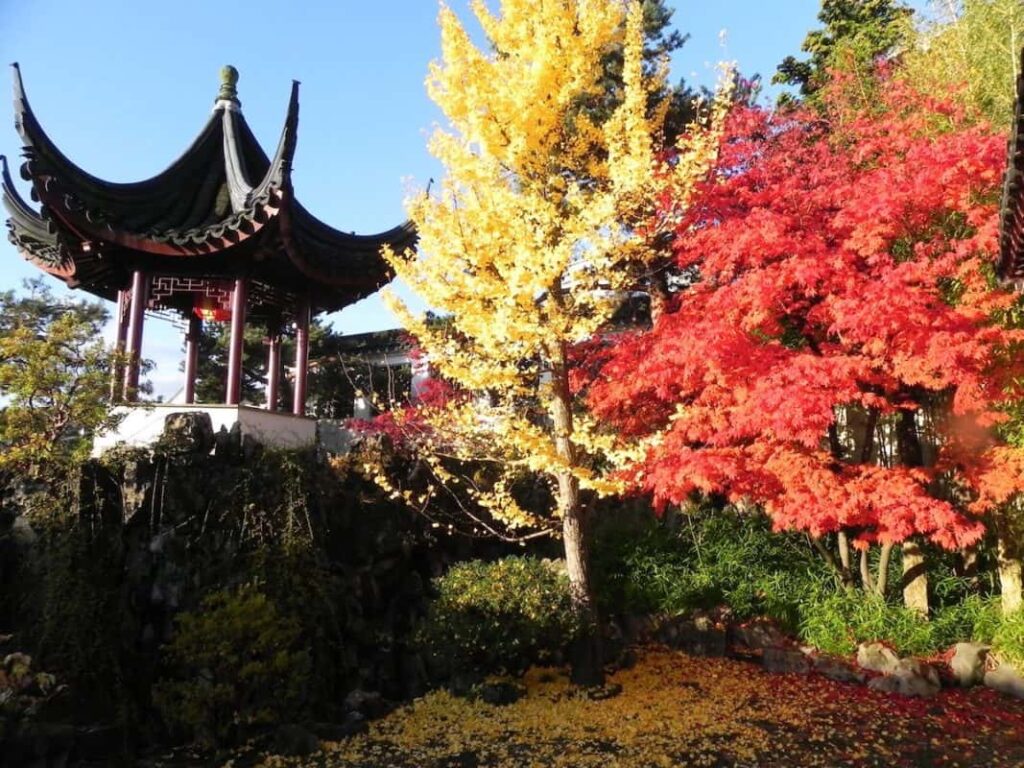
x=54, y=379
x=500, y=616
x=854, y=35
x=335, y=377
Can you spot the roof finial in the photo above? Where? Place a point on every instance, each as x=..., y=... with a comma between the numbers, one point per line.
x=228, y=81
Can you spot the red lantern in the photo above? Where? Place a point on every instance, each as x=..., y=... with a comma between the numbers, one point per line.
x=208, y=309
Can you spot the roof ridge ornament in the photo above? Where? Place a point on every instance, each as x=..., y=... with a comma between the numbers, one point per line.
x=228, y=94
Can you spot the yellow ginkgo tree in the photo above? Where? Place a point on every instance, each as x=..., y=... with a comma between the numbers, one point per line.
x=533, y=237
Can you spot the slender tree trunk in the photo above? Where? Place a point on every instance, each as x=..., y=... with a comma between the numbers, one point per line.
x=587, y=663
x=969, y=564
x=867, y=446
x=915, y=578
x=842, y=542
x=866, y=581
x=882, y=582
x=844, y=550
x=915, y=572
x=842, y=574
x=1009, y=564
x=967, y=568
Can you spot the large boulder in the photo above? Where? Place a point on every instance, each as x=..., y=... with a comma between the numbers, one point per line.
x=22, y=533
x=840, y=670
x=967, y=665
x=698, y=635
x=701, y=638
x=786, y=660
x=876, y=657
x=910, y=677
x=1006, y=679
x=757, y=635
x=188, y=432
x=227, y=444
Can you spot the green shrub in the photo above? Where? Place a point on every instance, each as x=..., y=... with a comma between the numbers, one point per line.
x=301, y=586
x=240, y=666
x=1008, y=638
x=836, y=622
x=68, y=598
x=500, y=616
x=701, y=560
x=972, y=618
x=716, y=556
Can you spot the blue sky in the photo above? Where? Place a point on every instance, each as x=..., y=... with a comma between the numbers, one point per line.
x=123, y=86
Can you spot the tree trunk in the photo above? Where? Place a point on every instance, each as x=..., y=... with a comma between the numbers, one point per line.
x=915, y=573
x=1009, y=563
x=842, y=542
x=866, y=447
x=915, y=578
x=842, y=574
x=844, y=550
x=866, y=582
x=657, y=286
x=587, y=663
x=882, y=582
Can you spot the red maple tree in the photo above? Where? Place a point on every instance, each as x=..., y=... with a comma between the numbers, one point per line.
x=840, y=358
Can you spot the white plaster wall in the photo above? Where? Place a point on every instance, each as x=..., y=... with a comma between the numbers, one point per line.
x=142, y=424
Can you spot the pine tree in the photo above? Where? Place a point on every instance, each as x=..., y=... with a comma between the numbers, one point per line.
x=855, y=34
x=54, y=379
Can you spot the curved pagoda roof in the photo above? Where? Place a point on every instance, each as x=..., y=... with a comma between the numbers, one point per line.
x=1011, y=225
x=223, y=209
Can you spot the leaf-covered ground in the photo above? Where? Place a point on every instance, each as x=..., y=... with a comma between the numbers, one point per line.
x=676, y=710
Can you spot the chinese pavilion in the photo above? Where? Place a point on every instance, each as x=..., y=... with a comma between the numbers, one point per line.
x=216, y=237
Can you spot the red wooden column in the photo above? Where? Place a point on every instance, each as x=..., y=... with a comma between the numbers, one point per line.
x=301, y=357
x=136, y=319
x=273, y=370
x=117, y=374
x=195, y=331
x=239, y=298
